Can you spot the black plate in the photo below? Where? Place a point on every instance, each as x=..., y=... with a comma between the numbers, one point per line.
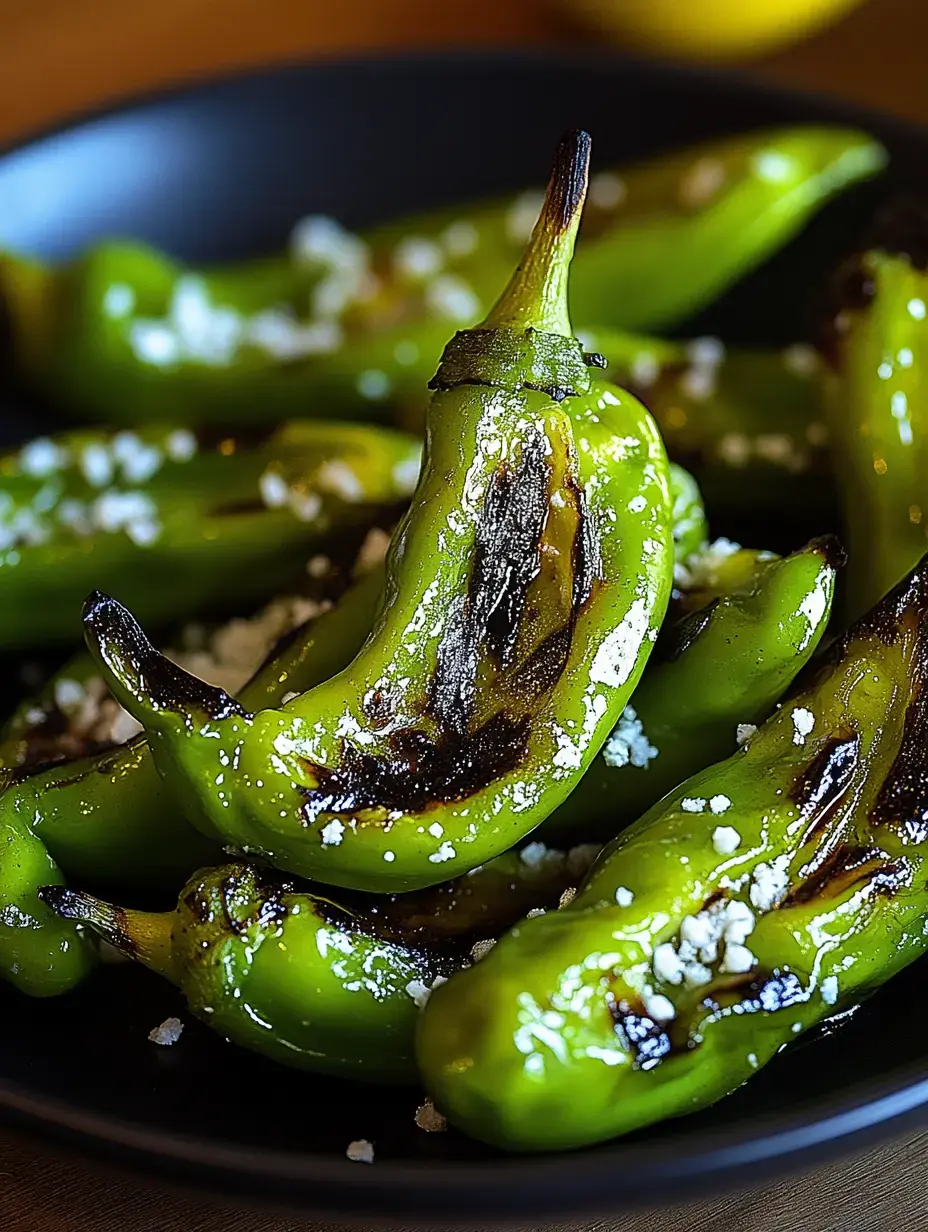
x=223, y=170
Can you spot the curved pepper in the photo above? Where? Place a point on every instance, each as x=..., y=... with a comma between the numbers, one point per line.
x=133, y=509
x=40, y=953
x=524, y=590
x=878, y=416
x=310, y=982
x=110, y=818
x=745, y=422
x=713, y=674
x=357, y=325
x=764, y=895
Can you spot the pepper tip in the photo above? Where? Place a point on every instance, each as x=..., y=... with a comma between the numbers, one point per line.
x=567, y=188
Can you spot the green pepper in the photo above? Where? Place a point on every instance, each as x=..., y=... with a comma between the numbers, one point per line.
x=357, y=325
x=878, y=416
x=745, y=421
x=110, y=818
x=40, y=953
x=715, y=673
x=524, y=590
x=764, y=895
x=310, y=982
x=131, y=510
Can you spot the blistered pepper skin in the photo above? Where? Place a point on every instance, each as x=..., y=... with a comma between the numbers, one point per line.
x=327, y=986
x=40, y=953
x=878, y=419
x=764, y=895
x=357, y=325
x=524, y=590
x=229, y=521
x=110, y=817
x=721, y=669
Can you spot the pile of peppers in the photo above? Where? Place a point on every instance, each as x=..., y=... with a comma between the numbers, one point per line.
x=564, y=810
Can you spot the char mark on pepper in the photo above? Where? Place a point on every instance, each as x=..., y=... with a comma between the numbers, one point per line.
x=846, y=868
x=116, y=636
x=417, y=772
x=902, y=802
x=819, y=789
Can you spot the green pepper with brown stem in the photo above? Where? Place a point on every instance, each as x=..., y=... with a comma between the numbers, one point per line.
x=176, y=527
x=524, y=590
x=356, y=325
x=331, y=986
x=761, y=897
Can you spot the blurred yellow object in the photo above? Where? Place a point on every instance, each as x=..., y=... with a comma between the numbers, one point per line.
x=710, y=29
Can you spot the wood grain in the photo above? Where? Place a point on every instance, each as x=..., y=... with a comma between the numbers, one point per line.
x=60, y=57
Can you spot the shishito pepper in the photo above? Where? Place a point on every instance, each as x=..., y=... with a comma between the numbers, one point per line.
x=764, y=895
x=356, y=325
x=878, y=416
x=110, y=818
x=716, y=671
x=322, y=985
x=176, y=527
x=40, y=953
x=524, y=590
x=746, y=422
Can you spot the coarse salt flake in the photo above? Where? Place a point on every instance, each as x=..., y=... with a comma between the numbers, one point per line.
x=360, y=1151
x=331, y=834
x=725, y=840
x=803, y=722
x=169, y=1032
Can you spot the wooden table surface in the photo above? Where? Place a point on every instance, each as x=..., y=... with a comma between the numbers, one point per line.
x=58, y=57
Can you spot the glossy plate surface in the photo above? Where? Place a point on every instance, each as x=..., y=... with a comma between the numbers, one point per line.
x=222, y=171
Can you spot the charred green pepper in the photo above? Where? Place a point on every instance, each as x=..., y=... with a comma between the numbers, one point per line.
x=764, y=895
x=314, y=983
x=131, y=509
x=110, y=818
x=878, y=417
x=357, y=325
x=524, y=590
x=715, y=673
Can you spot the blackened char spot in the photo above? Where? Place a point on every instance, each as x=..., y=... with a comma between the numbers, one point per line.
x=902, y=802
x=379, y=708
x=507, y=558
x=845, y=868
x=587, y=551
x=253, y=897
x=675, y=639
x=567, y=189
x=819, y=788
x=647, y=1039
x=418, y=771
x=544, y=666
x=758, y=992
x=116, y=636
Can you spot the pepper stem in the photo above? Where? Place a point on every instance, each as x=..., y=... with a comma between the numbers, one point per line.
x=536, y=297
x=145, y=936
